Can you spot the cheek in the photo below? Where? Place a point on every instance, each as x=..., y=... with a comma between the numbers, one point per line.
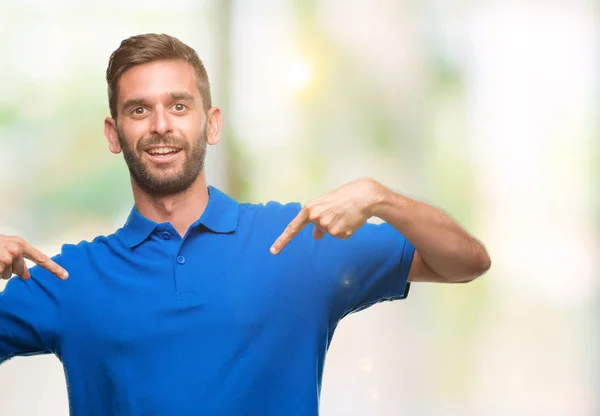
x=190, y=126
x=136, y=129
x=131, y=133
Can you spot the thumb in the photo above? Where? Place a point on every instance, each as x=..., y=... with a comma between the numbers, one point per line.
x=318, y=233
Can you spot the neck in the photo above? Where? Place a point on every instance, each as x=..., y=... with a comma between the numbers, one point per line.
x=181, y=210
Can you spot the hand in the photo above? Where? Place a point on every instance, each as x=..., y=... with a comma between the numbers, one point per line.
x=339, y=213
x=14, y=251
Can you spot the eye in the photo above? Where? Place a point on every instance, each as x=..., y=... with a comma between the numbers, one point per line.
x=179, y=107
x=139, y=111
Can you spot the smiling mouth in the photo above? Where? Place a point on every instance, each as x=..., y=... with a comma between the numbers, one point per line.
x=162, y=154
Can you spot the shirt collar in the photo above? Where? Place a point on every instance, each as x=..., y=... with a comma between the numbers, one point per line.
x=220, y=216
x=221, y=213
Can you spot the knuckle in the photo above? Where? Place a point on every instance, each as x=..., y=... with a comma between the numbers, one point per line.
x=310, y=205
x=339, y=233
x=42, y=260
x=5, y=240
x=13, y=249
x=5, y=259
x=313, y=216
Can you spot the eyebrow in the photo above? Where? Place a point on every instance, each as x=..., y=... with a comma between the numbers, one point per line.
x=134, y=102
x=181, y=96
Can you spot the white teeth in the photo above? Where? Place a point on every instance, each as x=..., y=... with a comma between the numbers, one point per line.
x=162, y=150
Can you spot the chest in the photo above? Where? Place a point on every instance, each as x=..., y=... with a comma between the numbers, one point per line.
x=187, y=298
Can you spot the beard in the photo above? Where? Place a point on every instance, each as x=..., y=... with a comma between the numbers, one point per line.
x=159, y=180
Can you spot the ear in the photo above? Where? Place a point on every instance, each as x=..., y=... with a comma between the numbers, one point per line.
x=110, y=132
x=213, y=126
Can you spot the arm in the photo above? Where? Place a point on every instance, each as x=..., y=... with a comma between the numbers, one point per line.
x=356, y=273
x=28, y=318
x=28, y=305
x=445, y=252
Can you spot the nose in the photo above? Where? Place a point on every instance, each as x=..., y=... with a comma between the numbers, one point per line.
x=161, y=123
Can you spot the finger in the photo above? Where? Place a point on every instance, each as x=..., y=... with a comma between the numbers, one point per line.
x=7, y=273
x=44, y=261
x=292, y=230
x=318, y=233
x=20, y=268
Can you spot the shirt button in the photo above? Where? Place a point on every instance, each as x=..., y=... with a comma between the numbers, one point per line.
x=181, y=260
x=166, y=235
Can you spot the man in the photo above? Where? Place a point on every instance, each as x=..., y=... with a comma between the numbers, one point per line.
x=200, y=305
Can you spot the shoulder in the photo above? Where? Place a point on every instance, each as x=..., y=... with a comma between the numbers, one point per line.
x=78, y=257
x=271, y=212
x=267, y=221
x=75, y=258
x=74, y=253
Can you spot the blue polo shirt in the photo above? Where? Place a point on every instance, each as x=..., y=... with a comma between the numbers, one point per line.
x=150, y=323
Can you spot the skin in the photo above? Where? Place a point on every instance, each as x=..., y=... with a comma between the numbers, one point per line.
x=444, y=252
x=159, y=103
x=157, y=114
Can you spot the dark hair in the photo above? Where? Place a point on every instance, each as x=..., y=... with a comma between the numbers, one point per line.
x=151, y=47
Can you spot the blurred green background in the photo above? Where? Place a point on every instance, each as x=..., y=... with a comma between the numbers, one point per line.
x=485, y=109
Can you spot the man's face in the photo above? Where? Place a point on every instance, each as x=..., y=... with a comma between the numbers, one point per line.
x=161, y=126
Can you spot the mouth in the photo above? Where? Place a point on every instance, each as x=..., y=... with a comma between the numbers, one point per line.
x=162, y=154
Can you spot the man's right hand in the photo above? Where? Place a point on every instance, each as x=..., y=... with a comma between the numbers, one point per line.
x=14, y=251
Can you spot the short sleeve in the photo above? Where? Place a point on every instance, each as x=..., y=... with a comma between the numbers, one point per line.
x=370, y=267
x=29, y=314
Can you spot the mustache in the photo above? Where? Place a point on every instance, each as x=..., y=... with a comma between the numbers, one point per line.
x=156, y=140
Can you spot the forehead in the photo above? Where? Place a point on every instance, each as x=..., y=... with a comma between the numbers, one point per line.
x=157, y=79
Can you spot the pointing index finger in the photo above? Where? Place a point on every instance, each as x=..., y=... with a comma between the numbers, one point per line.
x=292, y=230
x=44, y=261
